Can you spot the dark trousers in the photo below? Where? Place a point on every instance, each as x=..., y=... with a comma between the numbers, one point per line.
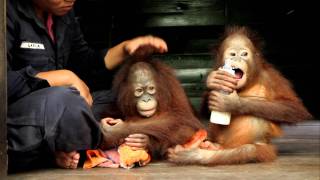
x=49, y=120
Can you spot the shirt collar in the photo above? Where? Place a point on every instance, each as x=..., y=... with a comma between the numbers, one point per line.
x=26, y=8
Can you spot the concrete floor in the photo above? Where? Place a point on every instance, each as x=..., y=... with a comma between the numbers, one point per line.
x=299, y=159
x=286, y=167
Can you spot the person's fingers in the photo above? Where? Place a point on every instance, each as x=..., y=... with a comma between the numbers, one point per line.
x=89, y=99
x=131, y=47
x=161, y=45
x=146, y=45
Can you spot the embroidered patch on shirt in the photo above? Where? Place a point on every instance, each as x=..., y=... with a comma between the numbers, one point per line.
x=31, y=45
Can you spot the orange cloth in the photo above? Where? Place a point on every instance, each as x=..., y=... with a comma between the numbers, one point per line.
x=129, y=157
x=94, y=158
x=124, y=157
x=199, y=136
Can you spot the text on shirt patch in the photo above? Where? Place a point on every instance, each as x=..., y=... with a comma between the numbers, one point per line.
x=31, y=45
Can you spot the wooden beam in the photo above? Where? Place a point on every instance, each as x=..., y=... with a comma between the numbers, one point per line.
x=3, y=92
x=196, y=19
x=187, y=60
x=171, y=13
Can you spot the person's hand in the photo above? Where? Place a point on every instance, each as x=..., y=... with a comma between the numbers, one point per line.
x=139, y=46
x=218, y=101
x=65, y=77
x=221, y=80
x=82, y=88
x=145, y=45
x=137, y=141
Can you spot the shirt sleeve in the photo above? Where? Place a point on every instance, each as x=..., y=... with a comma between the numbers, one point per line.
x=20, y=82
x=87, y=62
x=23, y=82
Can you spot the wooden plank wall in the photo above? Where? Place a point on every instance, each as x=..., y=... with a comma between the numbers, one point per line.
x=192, y=27
x=3, y=97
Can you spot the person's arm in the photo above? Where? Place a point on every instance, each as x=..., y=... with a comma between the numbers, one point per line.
x=138, y=46
x=22, y=81
x=67, y=78
x=86, y=62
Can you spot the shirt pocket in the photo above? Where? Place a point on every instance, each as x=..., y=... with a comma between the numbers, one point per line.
x=37, y=58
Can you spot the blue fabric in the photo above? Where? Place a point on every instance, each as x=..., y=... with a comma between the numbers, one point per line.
x=44, y=119
x=70, y=51
x=52, y=119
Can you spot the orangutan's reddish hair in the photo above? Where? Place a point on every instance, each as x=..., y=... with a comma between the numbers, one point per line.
x=257, y=108
x=174, y=121
x=171, y=95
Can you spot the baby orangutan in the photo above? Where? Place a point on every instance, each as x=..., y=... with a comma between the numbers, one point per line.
x=260, y=99
x=152, y=102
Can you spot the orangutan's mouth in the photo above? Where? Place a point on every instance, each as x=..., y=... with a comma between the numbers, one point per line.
x=238, y=73
x=148, y=113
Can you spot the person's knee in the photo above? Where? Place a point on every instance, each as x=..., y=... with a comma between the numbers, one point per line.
x=65, y=96
x=64, y=104
x=58, y=91
x=74, y=120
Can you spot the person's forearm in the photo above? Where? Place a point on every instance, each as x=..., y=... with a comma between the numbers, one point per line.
x=57, y=77
x=115, y=56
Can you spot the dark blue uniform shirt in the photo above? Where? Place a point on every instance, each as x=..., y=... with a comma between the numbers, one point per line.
x=30, y=49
